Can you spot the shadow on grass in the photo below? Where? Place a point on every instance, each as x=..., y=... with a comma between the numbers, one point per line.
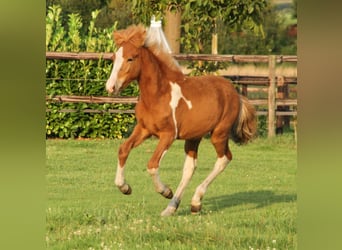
x=259, y=198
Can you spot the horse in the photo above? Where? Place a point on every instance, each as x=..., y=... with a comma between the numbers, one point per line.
x=171, y=106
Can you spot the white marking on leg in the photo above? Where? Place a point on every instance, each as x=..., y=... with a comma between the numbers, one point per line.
x=220, y=165
x=113, y=83
x=188, y=171
x=158, y=185
x=119, y=177
x=176, y=95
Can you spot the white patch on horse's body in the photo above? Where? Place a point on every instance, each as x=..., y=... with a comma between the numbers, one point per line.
x=176, y=95
x=113, y=83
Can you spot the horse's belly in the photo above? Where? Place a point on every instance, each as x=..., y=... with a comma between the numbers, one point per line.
x=195, y=128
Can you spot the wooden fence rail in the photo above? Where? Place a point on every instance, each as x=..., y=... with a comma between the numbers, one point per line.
x=277, y=103
x=182, y=57
x=134, y=100
x=91, y=99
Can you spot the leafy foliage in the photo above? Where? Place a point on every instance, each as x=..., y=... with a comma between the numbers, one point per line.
x=110, y=11
x=200, y=20
x=244, y=27
x=81, y=77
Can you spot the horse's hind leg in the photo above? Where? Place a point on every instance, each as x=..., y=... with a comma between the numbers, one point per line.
x=224, y=156
x=191, y=148
x=138, y=135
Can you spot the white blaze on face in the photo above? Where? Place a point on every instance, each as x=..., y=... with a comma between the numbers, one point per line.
x=113, y=83
x=176, y=95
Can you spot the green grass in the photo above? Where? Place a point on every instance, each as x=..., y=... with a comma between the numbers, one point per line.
x=252, y=204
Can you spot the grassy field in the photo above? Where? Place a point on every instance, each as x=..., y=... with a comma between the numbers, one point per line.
x=251, y=205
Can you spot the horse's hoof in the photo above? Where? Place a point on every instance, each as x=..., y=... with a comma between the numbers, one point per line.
x=195, y=209
x=167, y=193
x=168, y=211
x=126, y=189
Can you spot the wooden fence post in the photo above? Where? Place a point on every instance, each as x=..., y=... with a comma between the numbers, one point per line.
x=282, y=93
x=244, y=91
x=271, y=96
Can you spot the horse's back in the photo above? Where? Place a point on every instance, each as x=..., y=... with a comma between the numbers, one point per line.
x=213, y=99
x=213, y=90
x=210, y=83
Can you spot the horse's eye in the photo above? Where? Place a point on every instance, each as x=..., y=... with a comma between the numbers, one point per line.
x=130, y=60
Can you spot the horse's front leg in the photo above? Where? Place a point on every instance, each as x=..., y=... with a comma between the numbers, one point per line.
x=138, y=135
x=165, y=141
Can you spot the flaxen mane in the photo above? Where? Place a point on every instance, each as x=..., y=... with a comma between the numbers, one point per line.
x=135, y=34
x=138, y=37
x=163, y=55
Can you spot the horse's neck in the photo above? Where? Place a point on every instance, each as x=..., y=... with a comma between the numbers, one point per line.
x=152, y=81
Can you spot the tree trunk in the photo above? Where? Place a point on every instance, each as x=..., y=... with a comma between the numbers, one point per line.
x=172, y=29
x=214, y=39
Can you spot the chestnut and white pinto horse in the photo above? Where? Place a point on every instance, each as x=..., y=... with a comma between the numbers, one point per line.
x=174, y=106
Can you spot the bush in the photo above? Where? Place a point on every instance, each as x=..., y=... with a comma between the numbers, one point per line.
x=88, y=77
x=81, y=77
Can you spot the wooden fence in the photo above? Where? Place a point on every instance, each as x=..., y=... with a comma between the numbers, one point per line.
x=279, y=106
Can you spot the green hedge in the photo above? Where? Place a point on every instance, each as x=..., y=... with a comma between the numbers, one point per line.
x=81, y=77
x=85, y=78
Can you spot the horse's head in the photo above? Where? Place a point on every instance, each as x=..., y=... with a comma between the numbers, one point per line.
x=126, y=67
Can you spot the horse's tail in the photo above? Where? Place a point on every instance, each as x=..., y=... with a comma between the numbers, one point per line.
x=245, y=126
